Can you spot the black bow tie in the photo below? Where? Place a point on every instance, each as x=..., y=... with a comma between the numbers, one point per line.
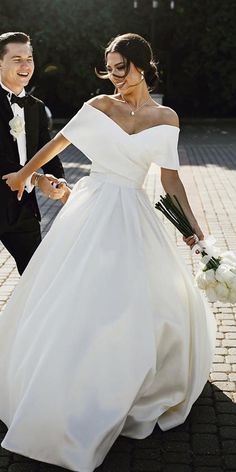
x=21, y=101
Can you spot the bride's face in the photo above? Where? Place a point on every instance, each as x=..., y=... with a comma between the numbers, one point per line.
x=116, y=68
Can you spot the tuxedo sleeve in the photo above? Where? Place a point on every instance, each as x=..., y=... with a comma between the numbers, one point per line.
x=54, y=166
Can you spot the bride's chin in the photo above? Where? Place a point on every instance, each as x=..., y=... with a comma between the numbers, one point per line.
x=120, y=87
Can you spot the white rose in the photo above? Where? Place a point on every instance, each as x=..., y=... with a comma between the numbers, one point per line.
x=224, y=274
x=232, y=296
x=210, y=277
x=232, y=283
x=211, y=294
x=201, y=280
x=222, y=292
x=17, y=126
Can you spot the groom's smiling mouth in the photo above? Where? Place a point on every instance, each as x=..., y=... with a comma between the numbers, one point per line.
x=23, y=74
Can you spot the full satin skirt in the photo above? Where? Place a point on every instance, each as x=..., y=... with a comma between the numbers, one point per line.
x=105, y=333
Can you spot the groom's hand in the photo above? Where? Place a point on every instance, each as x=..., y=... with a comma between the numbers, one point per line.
x=15, y=182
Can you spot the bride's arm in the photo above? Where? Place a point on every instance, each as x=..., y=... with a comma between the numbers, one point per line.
x=173, y=185
x=16, y=180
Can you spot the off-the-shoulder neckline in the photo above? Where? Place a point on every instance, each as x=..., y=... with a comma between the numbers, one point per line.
x=125, y=132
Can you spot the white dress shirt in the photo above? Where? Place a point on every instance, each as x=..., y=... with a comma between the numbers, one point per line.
x=21, y=139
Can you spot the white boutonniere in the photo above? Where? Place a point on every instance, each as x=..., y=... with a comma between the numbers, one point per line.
x=17, y=126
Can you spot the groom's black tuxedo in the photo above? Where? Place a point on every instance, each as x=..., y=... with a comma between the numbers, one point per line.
x=19, y=221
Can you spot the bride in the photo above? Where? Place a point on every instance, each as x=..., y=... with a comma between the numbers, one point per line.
x=105, y=333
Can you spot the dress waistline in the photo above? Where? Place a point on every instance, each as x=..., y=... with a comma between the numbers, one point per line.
x=115, y=179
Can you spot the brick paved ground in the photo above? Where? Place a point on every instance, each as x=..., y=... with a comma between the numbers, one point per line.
x=207, y=440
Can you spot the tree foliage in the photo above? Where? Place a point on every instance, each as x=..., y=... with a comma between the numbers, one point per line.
x=195, y=44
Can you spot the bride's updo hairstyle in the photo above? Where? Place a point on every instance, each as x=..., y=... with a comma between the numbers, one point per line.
x=133, y=48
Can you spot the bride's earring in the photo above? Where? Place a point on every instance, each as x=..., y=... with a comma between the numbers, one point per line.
x=142, y=74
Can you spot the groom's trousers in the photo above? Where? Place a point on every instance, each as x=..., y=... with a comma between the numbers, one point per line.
x=22, y=238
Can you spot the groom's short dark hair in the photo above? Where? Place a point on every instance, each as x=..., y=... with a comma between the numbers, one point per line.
x=12, y=37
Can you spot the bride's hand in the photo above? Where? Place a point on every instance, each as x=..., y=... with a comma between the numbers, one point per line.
x=15, y=182
x=192, y=240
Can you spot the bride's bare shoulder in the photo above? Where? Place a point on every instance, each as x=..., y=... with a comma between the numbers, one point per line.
x=167, y=115
x=101, y=102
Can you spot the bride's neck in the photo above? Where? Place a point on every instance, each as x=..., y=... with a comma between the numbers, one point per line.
x=136, y=97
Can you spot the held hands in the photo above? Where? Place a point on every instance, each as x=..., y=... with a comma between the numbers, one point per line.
x=51, y=186
x=48, y=184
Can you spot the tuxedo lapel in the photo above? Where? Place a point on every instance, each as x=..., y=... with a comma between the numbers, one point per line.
x=5, y=108
x=8, y=146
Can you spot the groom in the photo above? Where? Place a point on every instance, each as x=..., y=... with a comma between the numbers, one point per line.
x=23, y=131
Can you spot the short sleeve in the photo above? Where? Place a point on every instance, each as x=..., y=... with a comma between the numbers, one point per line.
x=166, y=154
x=78, y=129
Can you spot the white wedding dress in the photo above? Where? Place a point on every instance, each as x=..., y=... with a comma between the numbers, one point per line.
x=105, y=333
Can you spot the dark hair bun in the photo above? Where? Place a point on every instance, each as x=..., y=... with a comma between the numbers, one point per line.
x=151, y=75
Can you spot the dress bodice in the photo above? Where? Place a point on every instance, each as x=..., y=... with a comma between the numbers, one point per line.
x=113, y=151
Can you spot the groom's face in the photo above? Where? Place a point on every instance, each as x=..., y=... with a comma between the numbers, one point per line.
x=17, y=66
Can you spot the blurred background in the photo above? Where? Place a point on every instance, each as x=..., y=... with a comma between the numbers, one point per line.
x=194, y=42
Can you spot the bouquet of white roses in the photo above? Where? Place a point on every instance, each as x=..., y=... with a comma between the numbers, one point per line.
x=217, y=272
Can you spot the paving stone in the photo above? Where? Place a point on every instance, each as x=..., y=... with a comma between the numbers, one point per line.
x=177, y=457
x=116, y=462
x=232, y=377
x=229, y=342
x=123, y=444
x=52, y=468
x=204, y=428
x=174, y=446
x=222, y=396
x=208, y=469
x=223, y=367
x=3, y=428
x=215, y=376
x=207, y=391
x=170, y=436
x=232, y=351
x=19, y=458
x=227, y=328
x=177, y=468
x=229, y=446
x=204, y=401
x=207, y=460
x=219, y=359
x=3, y=452
x=4, y=461
x=226, y=386
x=226, y=420
x=231, y=359
x=148, y=454
x=226, y=407
x=145, y=466
x=228, y=432
x=230, y=461
x=23, y=467
x=228, y=322
x=152, y=442
x=205, y=443
x=203, y=414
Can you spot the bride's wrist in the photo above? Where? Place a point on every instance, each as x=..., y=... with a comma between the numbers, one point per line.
x=23, y=174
